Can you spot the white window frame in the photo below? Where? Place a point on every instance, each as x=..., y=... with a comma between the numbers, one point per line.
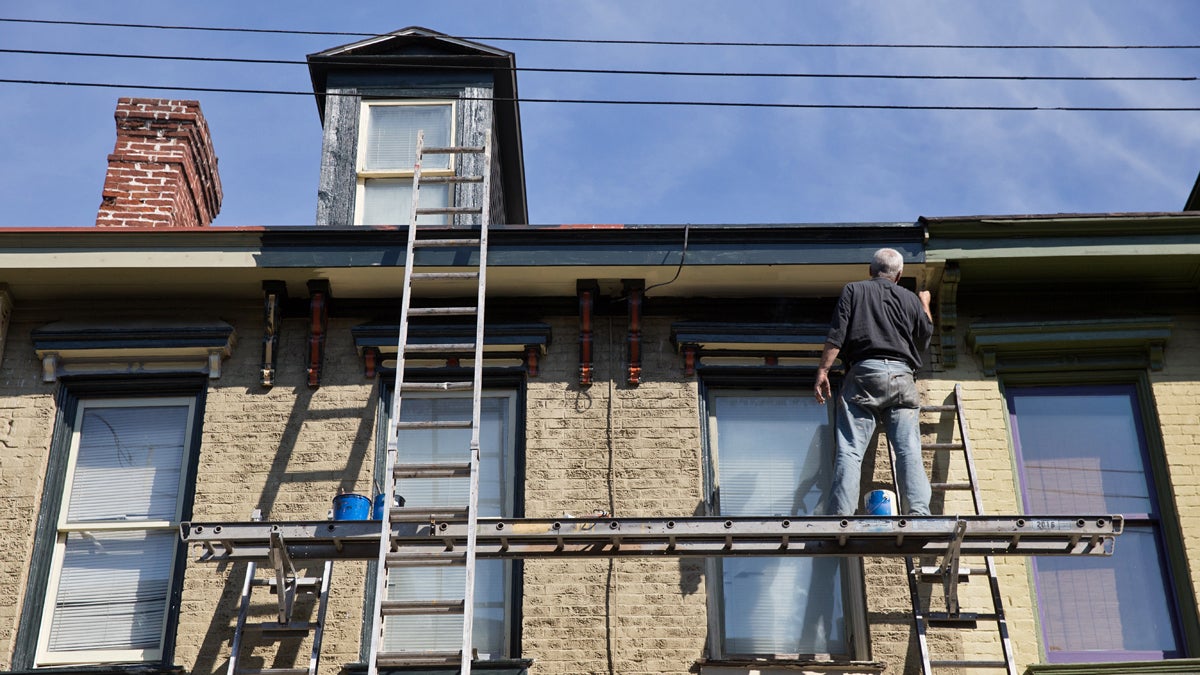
x=509, y=396
x=360, y=164
x=854, y=599
x=44, y=656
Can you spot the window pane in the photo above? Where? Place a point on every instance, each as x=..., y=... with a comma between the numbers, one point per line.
x=112, y=590
x=1104, y=605
x=1082, y=451
x=774, y=459
x=392, y=136
x=388, y=201
x=444, y=633
x=128, y=464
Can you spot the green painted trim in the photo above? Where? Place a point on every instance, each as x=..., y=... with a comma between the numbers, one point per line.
x=1128, y=668
x=1086, y=226
x=770, y=337
x=1056, y=346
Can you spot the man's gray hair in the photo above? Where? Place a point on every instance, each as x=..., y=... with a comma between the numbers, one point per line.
x=887, y=262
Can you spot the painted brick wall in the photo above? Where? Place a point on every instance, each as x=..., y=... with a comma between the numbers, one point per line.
x=163, y=170
x=643, y=442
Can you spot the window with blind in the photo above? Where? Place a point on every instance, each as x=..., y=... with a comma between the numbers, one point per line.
x=387, y=156
x=494, y=583
x=771, y=454
x=1083, y=450
x=116, y=538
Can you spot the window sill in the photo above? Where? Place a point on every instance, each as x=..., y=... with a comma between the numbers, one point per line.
x=106, y=669
x=1169, y=666
x=494, y=667
x=790, y=667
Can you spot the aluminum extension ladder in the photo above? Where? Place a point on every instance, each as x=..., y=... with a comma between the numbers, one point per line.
x=392, y=558
x=286, y=585
x=949, y=572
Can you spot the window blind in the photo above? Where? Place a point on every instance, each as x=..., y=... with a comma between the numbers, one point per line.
x=391, y=143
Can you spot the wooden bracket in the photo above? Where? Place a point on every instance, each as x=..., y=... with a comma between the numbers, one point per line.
x=274, y=298
x=690, y=353
x=370, y=362
x=634, y=291
x=318, y=327
x=947, y=315
x=531, y=360
x=588, y=291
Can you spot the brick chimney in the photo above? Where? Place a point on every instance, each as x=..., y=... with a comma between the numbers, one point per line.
x=163, y=171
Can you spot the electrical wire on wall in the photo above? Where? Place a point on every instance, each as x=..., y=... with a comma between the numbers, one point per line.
x=610, y=479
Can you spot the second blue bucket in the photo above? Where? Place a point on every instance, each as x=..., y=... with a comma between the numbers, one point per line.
x=377, y=506
x=351, y=507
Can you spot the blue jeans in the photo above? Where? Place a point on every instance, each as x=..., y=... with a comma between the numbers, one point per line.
x=879, y=390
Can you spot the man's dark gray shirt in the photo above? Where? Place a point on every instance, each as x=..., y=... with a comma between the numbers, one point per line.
x=878, y=319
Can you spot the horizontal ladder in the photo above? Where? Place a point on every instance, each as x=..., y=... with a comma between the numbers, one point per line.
x=500, y=538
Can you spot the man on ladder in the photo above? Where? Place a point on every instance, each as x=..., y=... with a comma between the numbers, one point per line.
x=879, y=330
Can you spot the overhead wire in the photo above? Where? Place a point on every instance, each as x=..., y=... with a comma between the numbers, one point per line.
x=682, y=43
x=614, y=71
x=622, y=102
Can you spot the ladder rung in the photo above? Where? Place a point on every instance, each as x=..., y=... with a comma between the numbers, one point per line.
x=420, y=607
x=435, y=424
x=451, y=179
x=437, y=386
x=442, y=559
x=410, y=514
x=446, y=210
x=930, y=575
x=950, y=486
x=450, y=150
x=439, y=347
x=301, y=583
x=443, y=276
x=942, y=446
x=442, y=470
x=442, y=311
x=272, y=671
x=279, y=631
x=431, y=658
x=967, y=664
x=444, y=243
x=937, y=408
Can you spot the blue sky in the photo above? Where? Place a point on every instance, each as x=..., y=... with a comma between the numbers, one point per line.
x=640, y=164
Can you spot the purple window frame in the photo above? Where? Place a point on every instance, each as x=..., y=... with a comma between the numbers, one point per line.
x=1151, y=521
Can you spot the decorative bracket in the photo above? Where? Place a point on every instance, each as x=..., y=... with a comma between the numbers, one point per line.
x=634, y=291
x=318, y=327
x=690, y=353
x=947, y=315
x=532, y=352
x=588, y=291
x=274, y=297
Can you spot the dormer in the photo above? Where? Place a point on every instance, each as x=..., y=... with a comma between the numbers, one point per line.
x=375, y=94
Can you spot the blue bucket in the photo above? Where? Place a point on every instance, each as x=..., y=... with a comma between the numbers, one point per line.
x=377, y=506
x=880, y=503
x=351, y=507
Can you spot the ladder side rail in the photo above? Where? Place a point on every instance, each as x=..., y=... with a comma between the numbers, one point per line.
x=968, y=455
x=388, y=482
x=989, y=563
x=240, y=629
x=476, y=412
x=322, y=604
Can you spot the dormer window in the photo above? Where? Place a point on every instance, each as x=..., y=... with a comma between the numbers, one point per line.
x=387, y=156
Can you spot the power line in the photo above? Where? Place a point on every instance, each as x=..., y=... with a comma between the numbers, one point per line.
x=612, y=71
x=672, y=43
x=720, y=104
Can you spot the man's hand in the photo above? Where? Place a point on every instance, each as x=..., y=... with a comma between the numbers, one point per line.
x=925, y=298
x=821, y=389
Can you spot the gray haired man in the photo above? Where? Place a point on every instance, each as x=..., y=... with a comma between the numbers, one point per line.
x=879, y=330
